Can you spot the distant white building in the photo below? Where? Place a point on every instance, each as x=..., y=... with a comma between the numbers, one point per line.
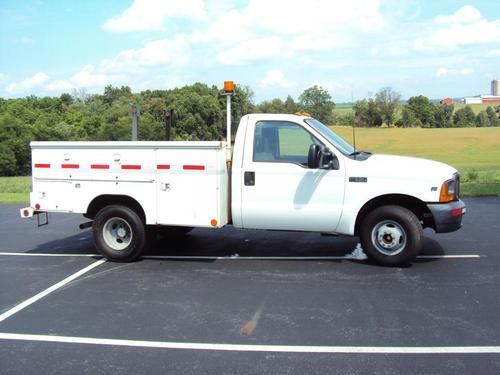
x=481, y=99
x=495, y=87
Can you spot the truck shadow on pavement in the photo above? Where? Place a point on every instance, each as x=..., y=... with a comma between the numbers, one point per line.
x=230, y=242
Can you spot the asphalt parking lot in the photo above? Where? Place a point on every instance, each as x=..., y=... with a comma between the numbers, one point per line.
x=248, y=302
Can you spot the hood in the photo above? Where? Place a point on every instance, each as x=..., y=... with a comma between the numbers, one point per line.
x=404, y=166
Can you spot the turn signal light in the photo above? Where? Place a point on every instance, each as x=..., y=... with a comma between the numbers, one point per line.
x=447, y=193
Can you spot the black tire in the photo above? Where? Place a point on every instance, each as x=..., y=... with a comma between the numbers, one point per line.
x=391, y=236
x=119, y=233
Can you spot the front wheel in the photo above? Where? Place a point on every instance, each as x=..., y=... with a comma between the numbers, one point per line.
x=391, y=235
x=119, y=233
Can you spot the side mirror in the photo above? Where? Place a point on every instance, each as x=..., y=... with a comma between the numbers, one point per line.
x=328, y=160
x=321, y=158
x=313, y=156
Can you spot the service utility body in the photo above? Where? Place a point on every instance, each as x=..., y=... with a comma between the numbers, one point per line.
x=284, y=172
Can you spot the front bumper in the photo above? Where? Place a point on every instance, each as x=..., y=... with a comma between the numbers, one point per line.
x=447, y=216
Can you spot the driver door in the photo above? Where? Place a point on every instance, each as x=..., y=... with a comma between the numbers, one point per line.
x=279, y=191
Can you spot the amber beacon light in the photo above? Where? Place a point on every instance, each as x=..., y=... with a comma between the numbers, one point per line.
x=228, y=86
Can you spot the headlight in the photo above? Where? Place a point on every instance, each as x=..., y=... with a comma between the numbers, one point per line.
x=450, y=189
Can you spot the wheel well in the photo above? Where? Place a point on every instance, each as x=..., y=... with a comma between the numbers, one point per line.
x=413, y=204
x=105, y=200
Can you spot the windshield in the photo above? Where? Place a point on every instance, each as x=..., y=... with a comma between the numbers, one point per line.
x=329, y=134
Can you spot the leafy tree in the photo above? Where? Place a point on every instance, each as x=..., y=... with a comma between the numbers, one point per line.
x=443, y=116
x=493, y=117
x=482, y=120
x=409, y=118
x=290, y=105
x=8, y=165
x=273, y=106
x=422, y=109
x=346, y=118
x=317, y=102
x=387, y=102
x=464, y=117
x=15, y=134
x=366, y=113
x=112, y=94
x=66, y=99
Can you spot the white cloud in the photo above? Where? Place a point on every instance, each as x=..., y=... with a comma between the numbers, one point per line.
x=493, y=53
x=129, y=66
x=158, y=52
x=28, y=83
x=251, y=50
x=464, y=27
x=442, y=72
x=445, y=72
x=275, y=78
x=3, y=77
x=152, y=14
x=88, y=77
x=465, y=15
x=298, y=17
x=60, y=86
x=286, y=29
x=332, y=86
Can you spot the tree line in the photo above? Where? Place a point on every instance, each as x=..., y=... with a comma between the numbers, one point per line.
x=419, y=111
x=199, y=112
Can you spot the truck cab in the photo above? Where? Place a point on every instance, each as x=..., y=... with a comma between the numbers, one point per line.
x=293, y=173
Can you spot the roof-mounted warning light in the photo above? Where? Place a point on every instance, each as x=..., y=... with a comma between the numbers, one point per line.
x=302, y=114
x=229, y=87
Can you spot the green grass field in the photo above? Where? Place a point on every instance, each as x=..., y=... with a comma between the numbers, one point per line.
x=15, y=189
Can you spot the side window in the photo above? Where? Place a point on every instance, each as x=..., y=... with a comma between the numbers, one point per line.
x=282, y=142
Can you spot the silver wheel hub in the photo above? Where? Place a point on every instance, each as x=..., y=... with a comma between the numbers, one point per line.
x=389, y=237
x=117, y=233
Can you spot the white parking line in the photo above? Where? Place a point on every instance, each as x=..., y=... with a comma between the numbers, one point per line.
x=256, y=347
x=51, y=255
x=47, y=291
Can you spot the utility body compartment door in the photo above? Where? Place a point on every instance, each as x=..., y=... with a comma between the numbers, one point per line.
x=192, y=185
x=278, y=190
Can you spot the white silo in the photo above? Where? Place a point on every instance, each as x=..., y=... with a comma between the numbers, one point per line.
x=495, y=87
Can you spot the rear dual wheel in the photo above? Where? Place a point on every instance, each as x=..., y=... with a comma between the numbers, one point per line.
x=391, y=236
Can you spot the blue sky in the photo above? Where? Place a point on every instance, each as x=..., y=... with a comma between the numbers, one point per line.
x=351, y=47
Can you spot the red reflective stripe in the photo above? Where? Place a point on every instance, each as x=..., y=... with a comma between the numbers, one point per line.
x=194, y=167
x=162, y=166
x=42, y=165
x=70, y=166
x=457, y=212
x=130, y=166
x=99, y=166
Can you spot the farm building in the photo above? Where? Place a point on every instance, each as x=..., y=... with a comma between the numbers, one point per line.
x=481, y=99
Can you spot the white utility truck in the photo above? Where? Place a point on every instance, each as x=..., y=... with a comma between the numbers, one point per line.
x=284, y=172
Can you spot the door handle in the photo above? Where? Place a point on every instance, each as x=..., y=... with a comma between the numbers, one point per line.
x=249, y=178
